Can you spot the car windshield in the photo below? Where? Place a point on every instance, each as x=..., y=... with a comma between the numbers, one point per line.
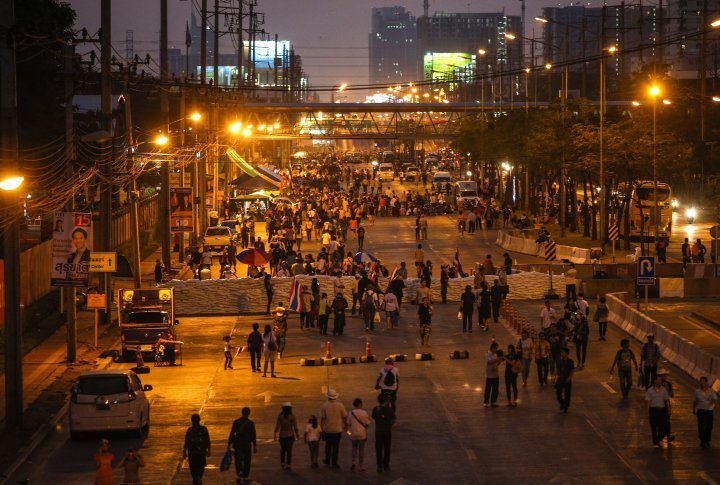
x=102, y=385
x=442, y=179
x=412, y=169
x=647, y=193
x=468, y=193
x=148, y=317
x=217, y=231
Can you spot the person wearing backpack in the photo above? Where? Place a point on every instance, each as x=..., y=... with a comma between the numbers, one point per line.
x=368, y=310
x=623, y=360
x=388, y=382
x=649, y=358
x=196, y=449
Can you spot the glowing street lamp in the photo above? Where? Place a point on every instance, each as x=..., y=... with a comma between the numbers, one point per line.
x=161, y=140
x=195, y=116
x=235, y=127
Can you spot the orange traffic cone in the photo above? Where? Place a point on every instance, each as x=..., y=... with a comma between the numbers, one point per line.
x=328, y=355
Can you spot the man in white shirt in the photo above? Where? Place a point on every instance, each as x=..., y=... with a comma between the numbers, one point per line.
x=547, y=316
x=571, y=283
x=582, y=305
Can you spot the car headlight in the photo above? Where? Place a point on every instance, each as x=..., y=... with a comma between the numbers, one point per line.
x=675, y=203
x=691, y=213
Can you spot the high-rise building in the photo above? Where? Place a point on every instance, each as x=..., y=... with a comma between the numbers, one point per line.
x=392, y=46
x=689, y=16
x=449, y=42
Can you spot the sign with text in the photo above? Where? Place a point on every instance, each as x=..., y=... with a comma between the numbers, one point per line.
x=95, y=301
x=72, y=243
x=646, y=270
x=103, y=262
x=181, y=209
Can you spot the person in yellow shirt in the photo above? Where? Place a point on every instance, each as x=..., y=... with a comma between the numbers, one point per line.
x=419, y=254
x=542, y=354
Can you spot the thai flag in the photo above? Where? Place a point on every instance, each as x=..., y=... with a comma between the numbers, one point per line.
x=459, y=273
x=295, y=296
x=393, y=275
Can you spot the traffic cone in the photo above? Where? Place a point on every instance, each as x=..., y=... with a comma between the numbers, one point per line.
x=368, y=357
x=328, y=354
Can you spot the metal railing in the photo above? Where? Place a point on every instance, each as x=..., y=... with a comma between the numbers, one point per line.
x=148, y=216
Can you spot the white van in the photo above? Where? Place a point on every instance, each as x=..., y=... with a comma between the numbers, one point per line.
x=467, y=191
x=386, y=172
x=109, y=400
x=441, y=181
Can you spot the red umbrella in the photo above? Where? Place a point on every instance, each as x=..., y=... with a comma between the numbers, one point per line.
x=253, y=257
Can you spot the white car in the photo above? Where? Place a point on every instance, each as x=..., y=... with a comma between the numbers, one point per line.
x=217, y=237
x=386, y=172
x=109, y=400
x=442, y=181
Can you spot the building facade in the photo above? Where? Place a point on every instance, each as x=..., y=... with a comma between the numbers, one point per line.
x=392, y=46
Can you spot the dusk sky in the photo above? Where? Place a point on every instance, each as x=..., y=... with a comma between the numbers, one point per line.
x=330, y=35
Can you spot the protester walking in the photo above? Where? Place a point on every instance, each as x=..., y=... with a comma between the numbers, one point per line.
x=103, y=464
x=525, y=347
x=196, y=448
x=270, y=350
x=287, y=431
x=339, y=306
x=242, y=441
x=313, y=433
x=602, y=315
x=581, y=334
x=358, y=422
x=542, y=354
x=392, y=310
x=649, y=358
x=703, y=407
x=323, y=314
x=513, y=366
x=384, y=416
x=658, y=405
x=563, y=380
x=228, y=353
x=388, y=382
x=158, y=271
x=467, y=303
x=484, y=304
x=424, y=321
x=624, y=360
x=255, y=345
x=332, y=421
x=493, y=359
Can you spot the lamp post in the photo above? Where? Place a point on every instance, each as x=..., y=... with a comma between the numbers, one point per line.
x=603, y=233
x=13, y=321
x=654, y=92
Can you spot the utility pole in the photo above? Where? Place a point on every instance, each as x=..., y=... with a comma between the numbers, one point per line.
x=216, y=45
x=69, y=293
x=203, y=41
x=105, y=166
x=9, y=154
x=165, y=114
x=241, y=47
x=702, y=74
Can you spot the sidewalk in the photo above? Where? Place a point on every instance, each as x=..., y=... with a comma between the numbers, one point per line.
x=47, y=377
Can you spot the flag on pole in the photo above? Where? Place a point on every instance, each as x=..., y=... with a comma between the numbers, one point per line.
x=394, y=273
x=295, y=296
x=459, y=273
x=188, y=37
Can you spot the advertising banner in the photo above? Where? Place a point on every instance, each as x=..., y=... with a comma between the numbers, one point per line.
x=72, y=243
x=181, y=209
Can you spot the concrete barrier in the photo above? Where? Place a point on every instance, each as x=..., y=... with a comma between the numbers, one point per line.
x=676, y=349
x=524, y=242
x=672, y=287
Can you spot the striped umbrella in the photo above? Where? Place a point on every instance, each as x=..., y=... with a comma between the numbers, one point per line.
x=361, y=257
x=253, y=257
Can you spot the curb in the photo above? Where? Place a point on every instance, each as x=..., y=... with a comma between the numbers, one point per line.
x=39, y=436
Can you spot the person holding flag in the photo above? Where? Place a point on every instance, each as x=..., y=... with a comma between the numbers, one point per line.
x=459, y=273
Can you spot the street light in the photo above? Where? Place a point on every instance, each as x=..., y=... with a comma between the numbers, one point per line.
x=612, y=50
x=195, y=116
x=715, y=23
x=9, y=184
x=654, y=92
x=161, y=140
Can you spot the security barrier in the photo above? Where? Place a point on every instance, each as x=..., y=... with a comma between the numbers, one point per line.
x=523, y=242
x=682, y=353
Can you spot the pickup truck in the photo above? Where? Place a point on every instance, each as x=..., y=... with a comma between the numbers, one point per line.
x=217, y=237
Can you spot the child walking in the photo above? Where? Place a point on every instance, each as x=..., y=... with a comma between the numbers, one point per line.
x=312, y=438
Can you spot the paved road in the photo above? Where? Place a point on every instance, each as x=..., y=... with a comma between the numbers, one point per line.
x=441, y=418
x=678, y=316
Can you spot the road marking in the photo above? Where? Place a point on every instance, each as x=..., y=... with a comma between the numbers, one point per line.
x=609, y=389
x=704, y=328
x=707, y=478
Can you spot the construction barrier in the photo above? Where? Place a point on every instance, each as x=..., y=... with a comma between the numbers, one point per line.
x=676, y=349
x=524, y=242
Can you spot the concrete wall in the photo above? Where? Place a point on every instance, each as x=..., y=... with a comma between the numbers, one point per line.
x=524, y=242
x=681, y=352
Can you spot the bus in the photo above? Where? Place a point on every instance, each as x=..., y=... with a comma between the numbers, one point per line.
x=641, y=214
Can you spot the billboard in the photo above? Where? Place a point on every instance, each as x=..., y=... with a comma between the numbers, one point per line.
x=440, y=66
x=265, y=51
x=181, y=209
x=72, y=243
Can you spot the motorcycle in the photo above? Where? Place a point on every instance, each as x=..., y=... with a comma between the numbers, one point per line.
x=690, y=215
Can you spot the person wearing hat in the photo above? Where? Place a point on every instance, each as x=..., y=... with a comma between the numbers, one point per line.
x=333, y=423
x=649, y=357
x=388, y=382
x=286, y=428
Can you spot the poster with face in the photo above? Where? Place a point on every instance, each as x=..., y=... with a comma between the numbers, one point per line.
x=181, y=209
x=72, y=235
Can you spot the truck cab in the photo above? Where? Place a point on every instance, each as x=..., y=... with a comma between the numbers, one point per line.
x=144, y=315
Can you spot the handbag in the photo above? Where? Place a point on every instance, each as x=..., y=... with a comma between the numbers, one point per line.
x=459, y=315
x=376, y=319
x=226, y=461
